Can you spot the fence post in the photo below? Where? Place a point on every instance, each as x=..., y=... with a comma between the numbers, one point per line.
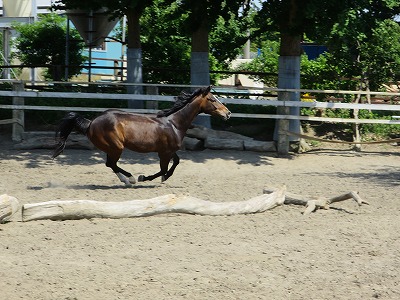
x=18, y=114
x=283, y=125
x=289, y=78
x=152, y=90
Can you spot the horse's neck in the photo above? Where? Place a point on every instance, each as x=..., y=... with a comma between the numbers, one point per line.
x=182, y=119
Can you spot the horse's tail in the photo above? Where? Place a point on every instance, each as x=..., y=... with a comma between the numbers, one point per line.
x=71, y=121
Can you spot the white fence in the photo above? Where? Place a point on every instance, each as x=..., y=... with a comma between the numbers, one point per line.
x=19, y=106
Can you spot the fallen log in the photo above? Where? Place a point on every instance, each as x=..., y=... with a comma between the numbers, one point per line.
x=8, y=207
x=87, y=209
x=312, y=203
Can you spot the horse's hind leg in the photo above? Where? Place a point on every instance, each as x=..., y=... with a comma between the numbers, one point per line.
x=123, y=175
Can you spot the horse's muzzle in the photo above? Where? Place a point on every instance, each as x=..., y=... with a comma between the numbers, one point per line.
x=227, y=115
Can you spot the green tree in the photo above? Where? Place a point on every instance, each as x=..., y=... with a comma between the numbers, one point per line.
x=166, y=43
x=266, y=62
x=292, y=19
x=366, y=46
x=202, y=17
x=43, y=43
x=198, y=18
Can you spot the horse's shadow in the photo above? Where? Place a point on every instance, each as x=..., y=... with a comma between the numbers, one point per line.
x=95, y=187
x=112, y=187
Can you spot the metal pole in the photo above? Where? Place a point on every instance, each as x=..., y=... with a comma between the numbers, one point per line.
x=123, y=46
x=6, y=52
x=90, y=35
x=66, y=71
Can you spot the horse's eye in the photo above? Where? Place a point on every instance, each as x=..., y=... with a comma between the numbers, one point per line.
x=212, y=99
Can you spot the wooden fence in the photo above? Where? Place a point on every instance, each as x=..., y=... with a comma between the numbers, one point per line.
x=19, y=93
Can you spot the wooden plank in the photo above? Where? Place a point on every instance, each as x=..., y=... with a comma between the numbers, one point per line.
x=270, y=89
x=68, y=108
x=31, y=94
x=139, y=97
x=234, y=115
x=9, y=121
x=333, y=105
x=316, y=119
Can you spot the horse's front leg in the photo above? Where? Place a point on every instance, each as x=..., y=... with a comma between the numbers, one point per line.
x=164, y=161
x=175, y=163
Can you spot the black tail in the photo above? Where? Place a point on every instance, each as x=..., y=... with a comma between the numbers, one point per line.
x=70, y=122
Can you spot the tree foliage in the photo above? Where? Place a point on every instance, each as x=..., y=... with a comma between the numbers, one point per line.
x=43, y=43
x=361, y=36
x=165, y=30
x=266, y=62
x=295, y=18
x=166, y=42
x=365, y=42
x=164, y=46
x=114, y=8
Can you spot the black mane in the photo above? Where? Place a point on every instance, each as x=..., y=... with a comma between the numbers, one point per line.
x=180, y=102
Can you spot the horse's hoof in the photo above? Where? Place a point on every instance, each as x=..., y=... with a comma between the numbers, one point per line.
x=140, y=178
x=132, y=180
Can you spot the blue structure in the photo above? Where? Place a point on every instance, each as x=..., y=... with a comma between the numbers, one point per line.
x=108, y=55
x=313, y=50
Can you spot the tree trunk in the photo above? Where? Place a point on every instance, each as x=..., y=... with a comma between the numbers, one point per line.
x=86, y=209
x=288, y=78
x=81, y=209
x=199, y=65
x=314, y=203
x=291, y=29
x=134, y=57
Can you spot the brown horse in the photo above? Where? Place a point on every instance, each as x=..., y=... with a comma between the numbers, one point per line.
x=163, y=133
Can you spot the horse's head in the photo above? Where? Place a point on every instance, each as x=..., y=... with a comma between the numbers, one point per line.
x=212, y=106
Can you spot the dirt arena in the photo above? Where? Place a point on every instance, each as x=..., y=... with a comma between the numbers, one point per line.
x=347, y=252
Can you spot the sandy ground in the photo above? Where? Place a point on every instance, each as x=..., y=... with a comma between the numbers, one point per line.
x=347, y=252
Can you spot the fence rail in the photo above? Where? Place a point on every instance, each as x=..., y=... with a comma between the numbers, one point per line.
x=19, y=93
x=140, y=97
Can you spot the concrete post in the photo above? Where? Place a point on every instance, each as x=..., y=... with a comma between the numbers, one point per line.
x=152, y=90
x=200, y=75
x=134, y=60
x=288, y=78
x=18, y=114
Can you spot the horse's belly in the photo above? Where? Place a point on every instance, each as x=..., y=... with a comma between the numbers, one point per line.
x=152, y=146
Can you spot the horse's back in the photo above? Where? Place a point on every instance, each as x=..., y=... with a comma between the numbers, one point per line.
x=120, y=129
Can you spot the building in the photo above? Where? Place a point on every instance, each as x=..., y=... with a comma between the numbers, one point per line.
x=108, y=53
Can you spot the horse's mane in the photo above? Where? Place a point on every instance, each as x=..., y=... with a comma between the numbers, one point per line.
x=180, y=102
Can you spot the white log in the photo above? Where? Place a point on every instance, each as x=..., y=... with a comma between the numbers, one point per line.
x=8, y=207
x=313, y=203
x=86, y=209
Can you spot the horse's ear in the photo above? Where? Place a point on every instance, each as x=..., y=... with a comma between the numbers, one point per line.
x=207, y=90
